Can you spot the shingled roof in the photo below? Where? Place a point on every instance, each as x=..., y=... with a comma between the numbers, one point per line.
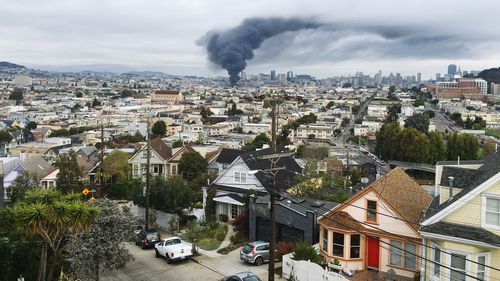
x=158, y=145
x=404, y=195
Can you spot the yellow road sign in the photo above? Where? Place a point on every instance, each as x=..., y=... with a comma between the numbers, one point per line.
x=85, y=191
x=92, y=199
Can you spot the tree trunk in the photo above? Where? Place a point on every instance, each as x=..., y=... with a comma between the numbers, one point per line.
x=52, y=266
x=43, y=263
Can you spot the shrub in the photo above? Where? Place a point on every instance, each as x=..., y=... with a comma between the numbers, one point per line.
x=220, y=236
x=283, y=248
x=173, y=223
x=240, y=224
x=233, y=239
x=306, y=252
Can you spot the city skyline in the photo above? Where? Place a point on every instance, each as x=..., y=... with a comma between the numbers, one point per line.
x=395, y=37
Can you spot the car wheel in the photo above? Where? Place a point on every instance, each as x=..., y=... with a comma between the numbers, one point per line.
x=259, y=261
x=168, y=259
x=157, y=254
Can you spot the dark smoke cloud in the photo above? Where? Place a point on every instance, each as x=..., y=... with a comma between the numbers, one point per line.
x=232, y=48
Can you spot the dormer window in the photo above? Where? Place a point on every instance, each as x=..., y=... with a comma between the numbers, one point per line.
x=371, y=211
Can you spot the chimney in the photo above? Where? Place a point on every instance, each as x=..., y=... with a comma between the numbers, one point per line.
x=450, y=188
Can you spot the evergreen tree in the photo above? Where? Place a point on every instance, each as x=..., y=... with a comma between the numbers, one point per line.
x=159, y=128
x=69, y=177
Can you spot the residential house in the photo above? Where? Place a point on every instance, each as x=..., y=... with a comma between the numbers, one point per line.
x=164, y=161
x=296, y=218
x=461, y=231
x=378, y=227
x=317, y=131
x=234, y=183
x=224, y=158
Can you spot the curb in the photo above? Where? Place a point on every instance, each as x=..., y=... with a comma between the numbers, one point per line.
x=194, y=259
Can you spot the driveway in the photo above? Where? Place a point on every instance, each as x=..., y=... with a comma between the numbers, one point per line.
x=146, y=267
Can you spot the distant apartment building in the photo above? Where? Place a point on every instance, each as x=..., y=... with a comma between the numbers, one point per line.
x=166, y=96
x=219, y=129
x=492, y=118
x=462, y=88
x=319, y=131
x=256, y=128
x=495, y=89
x=367, y=128
x=22, y=80
x=377, y=111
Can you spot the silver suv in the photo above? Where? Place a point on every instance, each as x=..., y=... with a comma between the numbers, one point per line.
x=256, y=252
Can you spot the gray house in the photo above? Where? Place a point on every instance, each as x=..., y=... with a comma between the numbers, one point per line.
x=296, y=218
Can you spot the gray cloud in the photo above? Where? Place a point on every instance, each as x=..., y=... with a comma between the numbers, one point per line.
x=362, y=35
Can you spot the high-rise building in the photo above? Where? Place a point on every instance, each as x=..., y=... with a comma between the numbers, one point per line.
x=419, y=77
x=452, y=70
x=243, y=75
x=273, y=75
x=482, y=85
x=495, y=89
x=282, y=77
x=289, y=75
x=438, y=76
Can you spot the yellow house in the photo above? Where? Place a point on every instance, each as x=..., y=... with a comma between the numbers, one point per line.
x=461, y=232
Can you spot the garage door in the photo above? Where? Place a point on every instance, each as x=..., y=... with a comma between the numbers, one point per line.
x=290, y=234
x=262, y=225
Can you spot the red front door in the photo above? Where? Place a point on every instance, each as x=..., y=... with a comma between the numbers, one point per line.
x=373, y=252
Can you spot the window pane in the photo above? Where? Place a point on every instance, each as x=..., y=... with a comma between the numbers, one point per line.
x=457, y=275
x=482, y=262
x=492, y=218
x=437, y=259
x=325, y=240
x=372, y=211
x=410, y=256
x=493, y=205
x=338, y=244
x=396, y=253
x=355, y=249
x=458, y=261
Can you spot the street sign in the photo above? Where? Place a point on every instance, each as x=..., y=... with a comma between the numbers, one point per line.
x=85, y=191
x=92, y=199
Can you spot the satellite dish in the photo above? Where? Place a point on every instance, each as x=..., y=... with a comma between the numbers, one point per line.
x=365, y=180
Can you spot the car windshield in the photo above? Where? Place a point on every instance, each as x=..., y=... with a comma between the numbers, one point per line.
x=248, y=248
x=251, y=278
x=154, y=235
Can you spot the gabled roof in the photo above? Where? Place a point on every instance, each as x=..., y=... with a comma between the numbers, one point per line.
x=284, y=178
x=488, y=170
x=227, y=155
x=396, y=188
x=163, y=150
x=38, y=165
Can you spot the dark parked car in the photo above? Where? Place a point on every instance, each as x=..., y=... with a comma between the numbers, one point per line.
x=256, y=252
x=242, y=276
x=147, y=238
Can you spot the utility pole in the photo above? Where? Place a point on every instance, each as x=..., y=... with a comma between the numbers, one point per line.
x=148, y=150
x=272, y=194
x=102, y=192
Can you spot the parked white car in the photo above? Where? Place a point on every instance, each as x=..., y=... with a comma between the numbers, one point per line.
x=173, y=248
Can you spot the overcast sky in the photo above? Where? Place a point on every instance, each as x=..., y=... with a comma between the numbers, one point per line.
x=356, y=35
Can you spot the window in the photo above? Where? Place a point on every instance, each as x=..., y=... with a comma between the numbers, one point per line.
x=325, y=240
x=403, y=255
x=338, y=244
x=145, y=153
x=436, y=257
x=234, y=211
x=493, y=211
x=174, y=170
x=355, y=244
x=457, y=265
x=410, y=255
x=156, y=169
x=136, y=169
x=371, y=211
x=481, y=268
x=240, y=177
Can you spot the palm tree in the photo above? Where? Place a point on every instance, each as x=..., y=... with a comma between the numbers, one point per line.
x=52, y=216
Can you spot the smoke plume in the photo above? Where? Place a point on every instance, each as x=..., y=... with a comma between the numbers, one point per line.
x=232, y=48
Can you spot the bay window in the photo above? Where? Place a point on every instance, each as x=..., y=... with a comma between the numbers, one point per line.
x=458, y=267
x=325, y=240
x=355, y=246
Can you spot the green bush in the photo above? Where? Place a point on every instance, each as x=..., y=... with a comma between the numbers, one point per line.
x=306, y=252
x=233, y=239
x=209, y=244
